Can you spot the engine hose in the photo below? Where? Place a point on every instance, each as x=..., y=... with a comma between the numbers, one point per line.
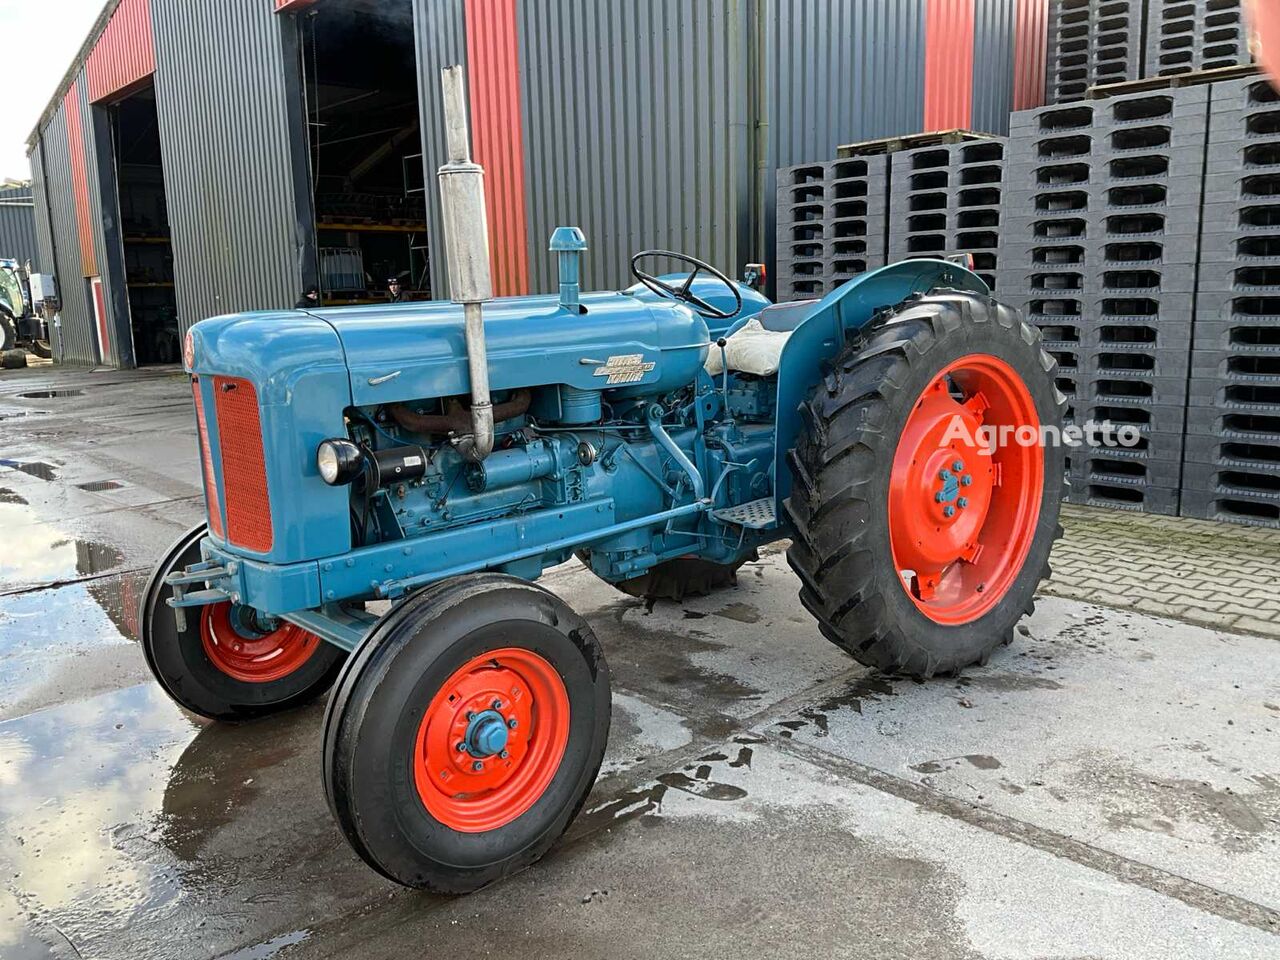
x=456, y=417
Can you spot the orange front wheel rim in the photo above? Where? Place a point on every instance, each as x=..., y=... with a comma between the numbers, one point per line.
x=491, y=740
x=237, y=648
x=965, y=489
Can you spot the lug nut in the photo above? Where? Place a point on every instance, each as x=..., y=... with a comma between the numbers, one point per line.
x=966, y=480
x=462, y=746
x=945, y=475
x=939, y=496
x=512, y=723
x=477, y=766
x=497, y=704
x=504, y=754
x=471, y=715
x=958, y=466
x=962, y=502
x=948, y=511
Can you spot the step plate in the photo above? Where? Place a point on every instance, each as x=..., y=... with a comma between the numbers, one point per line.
x=758, y=514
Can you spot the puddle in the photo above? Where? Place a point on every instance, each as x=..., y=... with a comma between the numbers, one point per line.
x=38, y=553
x=50, y=394
x=9, y=496
x=34, y=468
x=77, y=639
x=97, y=486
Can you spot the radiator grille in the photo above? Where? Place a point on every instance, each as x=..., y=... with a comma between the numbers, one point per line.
x=244, y=474
x=213, y=508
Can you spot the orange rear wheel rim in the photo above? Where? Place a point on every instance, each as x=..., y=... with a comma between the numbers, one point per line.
x=491, y=740
x=963, y=510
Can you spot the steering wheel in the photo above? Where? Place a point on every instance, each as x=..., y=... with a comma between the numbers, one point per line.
x=684, y=293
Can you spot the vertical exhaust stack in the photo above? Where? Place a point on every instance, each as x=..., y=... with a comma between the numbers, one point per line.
x=466, y=242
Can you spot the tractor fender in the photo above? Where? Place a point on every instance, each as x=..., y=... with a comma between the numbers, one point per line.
x=827, y=326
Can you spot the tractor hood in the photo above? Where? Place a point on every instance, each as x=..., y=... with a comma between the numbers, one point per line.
x=409, y=351
x=401, y=352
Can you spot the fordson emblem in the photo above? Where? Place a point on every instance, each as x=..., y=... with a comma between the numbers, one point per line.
x=629, y=368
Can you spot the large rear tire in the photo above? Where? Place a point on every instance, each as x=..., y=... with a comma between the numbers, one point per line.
x=919, y=551
x=8, y=331
x=220, y=667
x=466, y=732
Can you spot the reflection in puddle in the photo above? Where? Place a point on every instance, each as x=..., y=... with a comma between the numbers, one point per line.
x=34, y=468
x=39, y=553
x=50, y=394
x=79, y=785
x=78, y=637
x=96, y=486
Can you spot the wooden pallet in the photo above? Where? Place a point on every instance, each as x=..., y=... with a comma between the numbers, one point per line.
x=909, y=141
x=1194, y=79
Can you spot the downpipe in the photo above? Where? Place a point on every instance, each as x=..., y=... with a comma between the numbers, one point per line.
x=466, y=240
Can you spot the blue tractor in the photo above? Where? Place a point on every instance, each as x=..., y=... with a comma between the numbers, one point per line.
x=432, y=460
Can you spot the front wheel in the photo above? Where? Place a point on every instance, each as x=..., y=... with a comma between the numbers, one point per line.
x=466, y=732
x=228, y=664
x=924, y=501
x=42, y=349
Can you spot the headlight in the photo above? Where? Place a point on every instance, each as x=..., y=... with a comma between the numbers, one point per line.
x=339, y=461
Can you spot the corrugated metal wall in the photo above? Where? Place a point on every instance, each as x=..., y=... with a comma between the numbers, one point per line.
x=18, y=227
x=1030, y=50
x=228, y=156
x=497, y=136
x=441, y=40
x=635, y=121
x=124, y=54
x=75, y=340
x=108, y=251
x=40, y=197
x=992, y=68
x=948, y=64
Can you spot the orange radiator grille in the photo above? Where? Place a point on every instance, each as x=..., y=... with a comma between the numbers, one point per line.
x=206, y=457
x=244, y=474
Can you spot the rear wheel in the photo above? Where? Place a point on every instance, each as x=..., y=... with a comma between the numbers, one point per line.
x=919, y=543
x=8, y=331
x=466, y=732
x=228, y=664
x=42, y=349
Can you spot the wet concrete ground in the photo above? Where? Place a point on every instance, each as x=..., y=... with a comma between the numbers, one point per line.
x=1107, y=787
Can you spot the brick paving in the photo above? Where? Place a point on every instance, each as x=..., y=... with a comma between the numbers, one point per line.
x=1215, y=575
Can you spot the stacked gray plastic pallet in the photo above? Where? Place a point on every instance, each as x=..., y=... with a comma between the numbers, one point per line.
x=1093, y=42
x=1232, y=469
x=831, y=224
x=1099, y=248
x=1189, y=35
x=944, y=200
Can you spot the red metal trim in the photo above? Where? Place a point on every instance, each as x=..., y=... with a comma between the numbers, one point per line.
x=125, y=54
x=948, y=64
x=288, y=6
x=1030, y=52
x=244, y=471
x=497, y=136
x=80, y=181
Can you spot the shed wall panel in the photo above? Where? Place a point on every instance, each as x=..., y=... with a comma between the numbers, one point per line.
x=440, y=37
x=1030, y=53
x=125, y=52
x=73, y=110
x=18, y=227
x=635, y=122
x=497, y=138
x=40, y=198
x=992, y=77
x=228, y=150
x=74, y=340
x=948, y=66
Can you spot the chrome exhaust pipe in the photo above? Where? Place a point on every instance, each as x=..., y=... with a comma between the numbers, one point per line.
x=466, y=243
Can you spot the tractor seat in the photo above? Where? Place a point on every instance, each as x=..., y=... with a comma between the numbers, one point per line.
x=757, y=347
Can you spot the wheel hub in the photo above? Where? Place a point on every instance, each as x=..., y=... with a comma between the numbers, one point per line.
x=250, y=650
x=486, y=734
